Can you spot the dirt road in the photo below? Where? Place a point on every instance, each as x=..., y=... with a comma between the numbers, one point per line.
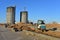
x=5, y=34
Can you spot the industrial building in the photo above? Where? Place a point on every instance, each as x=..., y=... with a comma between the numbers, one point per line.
x=24, y=16
x=11, y=15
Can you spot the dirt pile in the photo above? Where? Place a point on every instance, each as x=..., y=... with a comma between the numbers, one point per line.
x=28, y=27
x=22, y=26
x=53, y=25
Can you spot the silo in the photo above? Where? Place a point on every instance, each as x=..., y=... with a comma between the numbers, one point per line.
x=24, y=16
x=10, y=15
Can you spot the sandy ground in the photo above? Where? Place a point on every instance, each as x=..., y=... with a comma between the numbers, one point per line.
x=6, y=34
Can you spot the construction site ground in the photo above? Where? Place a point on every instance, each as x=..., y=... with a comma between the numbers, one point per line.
x=9, y=34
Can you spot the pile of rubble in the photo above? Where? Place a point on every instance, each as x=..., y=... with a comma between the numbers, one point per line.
x=27, y=27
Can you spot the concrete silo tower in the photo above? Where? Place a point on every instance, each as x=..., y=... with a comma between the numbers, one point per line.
x=10, y=15
x=24, y=16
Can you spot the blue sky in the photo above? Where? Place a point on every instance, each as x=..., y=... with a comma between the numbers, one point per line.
x=49, y=10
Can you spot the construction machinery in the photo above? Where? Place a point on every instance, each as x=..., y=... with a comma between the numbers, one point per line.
x=41, y=25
